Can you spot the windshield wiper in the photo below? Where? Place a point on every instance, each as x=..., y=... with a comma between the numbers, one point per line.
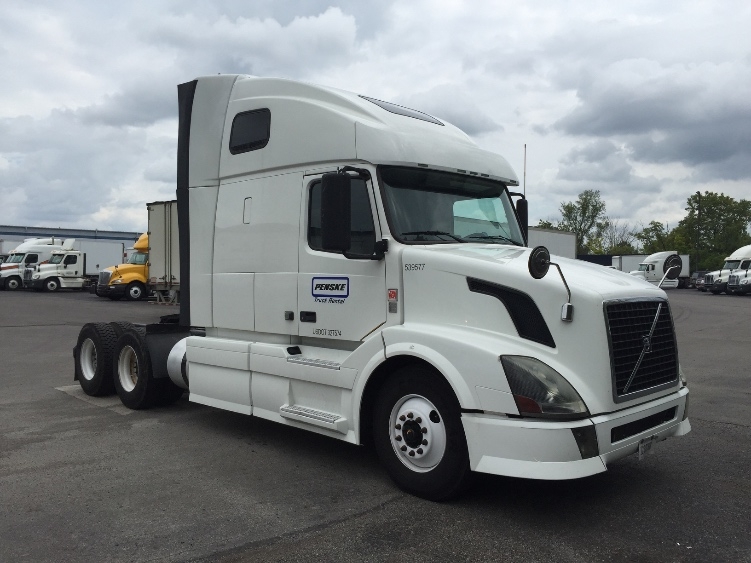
x=495, y=237
x=435, y=234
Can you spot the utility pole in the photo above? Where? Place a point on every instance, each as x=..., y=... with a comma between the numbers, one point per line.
x=698, y=226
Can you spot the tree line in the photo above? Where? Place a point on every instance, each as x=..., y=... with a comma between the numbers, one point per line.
x=714, y=226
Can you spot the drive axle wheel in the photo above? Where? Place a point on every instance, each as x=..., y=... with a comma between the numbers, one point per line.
x=96, y=342
x=418, y=434
x=134, y=381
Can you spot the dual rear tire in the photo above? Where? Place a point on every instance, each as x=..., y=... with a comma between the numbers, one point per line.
x=114, y=357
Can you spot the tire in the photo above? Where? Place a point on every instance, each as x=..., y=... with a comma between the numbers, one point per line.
x=135, y=291
x=96, y=343
x=121, y=326
x=131, y=363
x=426, y=453
x=13, y=283
x=51, y=284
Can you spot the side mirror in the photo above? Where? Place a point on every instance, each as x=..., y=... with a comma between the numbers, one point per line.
x=336, y=213
x=539, y=262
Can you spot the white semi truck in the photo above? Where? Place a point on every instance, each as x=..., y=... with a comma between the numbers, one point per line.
x=357, y=269
x=27, y=254
x=736, y=264
x=664, y=269
x=75, y=266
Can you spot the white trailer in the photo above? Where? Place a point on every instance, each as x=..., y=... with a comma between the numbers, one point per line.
x=164, y=250
x=559, y=243
x=100, y=254
x=628, y=263
x=357, y=269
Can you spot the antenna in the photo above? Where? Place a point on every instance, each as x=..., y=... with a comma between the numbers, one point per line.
x=525, y=171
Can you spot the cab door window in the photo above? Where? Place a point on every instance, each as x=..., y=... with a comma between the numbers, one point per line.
x=363, y=229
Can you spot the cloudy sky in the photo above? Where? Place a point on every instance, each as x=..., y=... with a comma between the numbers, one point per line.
x=647, y=102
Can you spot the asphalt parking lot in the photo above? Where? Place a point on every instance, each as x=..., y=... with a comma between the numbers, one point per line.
x=88, y=480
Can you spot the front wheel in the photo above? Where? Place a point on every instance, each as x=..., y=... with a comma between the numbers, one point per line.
x=52, y=284
x=13, y=283
x=135, y=291
x=418, y=434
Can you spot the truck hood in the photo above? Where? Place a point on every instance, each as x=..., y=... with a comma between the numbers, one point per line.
x=438, y=290
x=507, y=265
x=123, y=269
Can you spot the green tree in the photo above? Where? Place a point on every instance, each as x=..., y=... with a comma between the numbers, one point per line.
x=655, y=237
x=714, y=227
x=584, y=217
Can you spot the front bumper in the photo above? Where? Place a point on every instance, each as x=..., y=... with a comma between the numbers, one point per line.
x=112, y=290
x=741, y=289
x=537, y=449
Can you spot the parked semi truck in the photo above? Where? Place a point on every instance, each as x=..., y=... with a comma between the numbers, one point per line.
x=75, y=266
x=666, y=269
x=155, y=263
x=390, y=298
x=737, y=263
x=27, y=254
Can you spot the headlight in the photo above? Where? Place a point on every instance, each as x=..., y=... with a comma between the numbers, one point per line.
x=119, y=280
x=541, y=391
x=35, y=277
x=745, y=281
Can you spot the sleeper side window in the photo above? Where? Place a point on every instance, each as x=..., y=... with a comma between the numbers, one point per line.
x=251, y=131
x=70, y=259
x=363, y=229
x=32, y=258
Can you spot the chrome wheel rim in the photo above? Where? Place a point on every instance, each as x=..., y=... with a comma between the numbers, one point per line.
x=88, y=359
x=417, y=433
x=127, y=368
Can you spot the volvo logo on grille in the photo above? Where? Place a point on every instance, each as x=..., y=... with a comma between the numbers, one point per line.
x=646, y=348
x=647, y=342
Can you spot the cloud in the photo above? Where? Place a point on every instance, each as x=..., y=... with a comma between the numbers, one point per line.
x=454, y=104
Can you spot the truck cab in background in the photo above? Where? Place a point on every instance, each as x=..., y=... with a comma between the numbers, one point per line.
x=27, y=254
x=66, y=269
x=737, y=263
x=129, y=280
x=664, y=269
x=358, y=269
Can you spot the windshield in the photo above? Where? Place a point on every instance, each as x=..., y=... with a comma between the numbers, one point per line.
x=427, y=206
x=56, y=258
x=138, y=258
x=731, y=264
x=15, y=258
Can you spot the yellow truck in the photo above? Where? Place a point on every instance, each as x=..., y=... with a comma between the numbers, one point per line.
x=129, y=280
x=154, y=265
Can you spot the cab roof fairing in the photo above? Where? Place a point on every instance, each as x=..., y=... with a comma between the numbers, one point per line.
x=382, y=137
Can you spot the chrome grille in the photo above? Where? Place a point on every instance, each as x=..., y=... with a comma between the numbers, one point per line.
x=734, y=279
x=27, y=273
x=641, y=364
x=708, y=279
x=104, y=277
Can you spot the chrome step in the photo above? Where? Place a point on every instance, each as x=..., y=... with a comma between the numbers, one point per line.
x=315, y=417
x=313, y=362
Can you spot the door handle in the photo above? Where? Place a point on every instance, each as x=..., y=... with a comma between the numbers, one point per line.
x=307, y=316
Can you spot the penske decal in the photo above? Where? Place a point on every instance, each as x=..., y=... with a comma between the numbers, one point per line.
x=335, y=287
